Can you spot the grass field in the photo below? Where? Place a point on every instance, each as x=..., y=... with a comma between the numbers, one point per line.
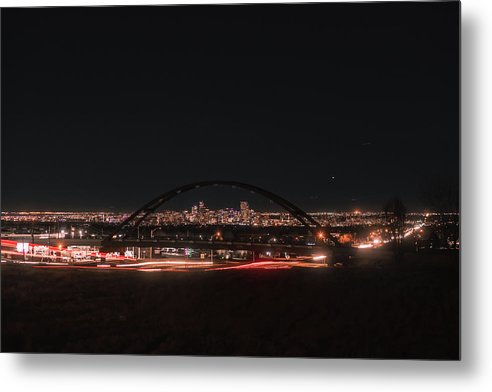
x=408, y=309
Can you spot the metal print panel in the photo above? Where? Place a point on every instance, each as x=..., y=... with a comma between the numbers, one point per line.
x=232, y=180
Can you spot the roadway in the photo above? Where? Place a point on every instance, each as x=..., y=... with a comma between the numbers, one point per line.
x=215, y=245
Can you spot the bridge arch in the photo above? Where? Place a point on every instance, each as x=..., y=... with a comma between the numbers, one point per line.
x=135, y=219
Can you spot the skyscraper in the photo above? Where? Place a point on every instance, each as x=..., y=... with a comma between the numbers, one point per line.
x=245, y=212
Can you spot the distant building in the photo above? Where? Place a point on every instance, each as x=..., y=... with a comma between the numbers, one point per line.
x=245, y=212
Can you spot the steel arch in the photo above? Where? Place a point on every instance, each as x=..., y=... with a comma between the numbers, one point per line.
x=138, y=216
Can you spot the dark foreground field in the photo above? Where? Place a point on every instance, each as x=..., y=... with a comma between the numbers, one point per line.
x=409, y=310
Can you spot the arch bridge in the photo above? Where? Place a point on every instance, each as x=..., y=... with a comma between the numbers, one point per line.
x=124, y=234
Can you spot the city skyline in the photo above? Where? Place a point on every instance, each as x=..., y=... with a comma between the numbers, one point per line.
x=201, y=214
x=228, y=207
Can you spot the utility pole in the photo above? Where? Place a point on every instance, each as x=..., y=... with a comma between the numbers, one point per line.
x=32, y=241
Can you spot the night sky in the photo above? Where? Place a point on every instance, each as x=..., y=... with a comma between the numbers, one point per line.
x=332, y=106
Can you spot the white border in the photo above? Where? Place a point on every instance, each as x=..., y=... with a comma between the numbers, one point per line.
x=130, y=373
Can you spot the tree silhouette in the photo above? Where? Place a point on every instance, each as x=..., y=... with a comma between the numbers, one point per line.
x=395, y=213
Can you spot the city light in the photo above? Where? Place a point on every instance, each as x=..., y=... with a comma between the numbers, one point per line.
x=364, y=246
x=22, y=247
x=202, y=215
x=363, y=230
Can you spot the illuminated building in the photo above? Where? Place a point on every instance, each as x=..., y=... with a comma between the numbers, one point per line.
x=245, y=212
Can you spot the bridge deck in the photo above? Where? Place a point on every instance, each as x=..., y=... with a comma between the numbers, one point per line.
x=260, y=247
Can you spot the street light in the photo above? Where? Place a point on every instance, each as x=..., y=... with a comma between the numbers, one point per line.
x=217, y=235
x=153, y=230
